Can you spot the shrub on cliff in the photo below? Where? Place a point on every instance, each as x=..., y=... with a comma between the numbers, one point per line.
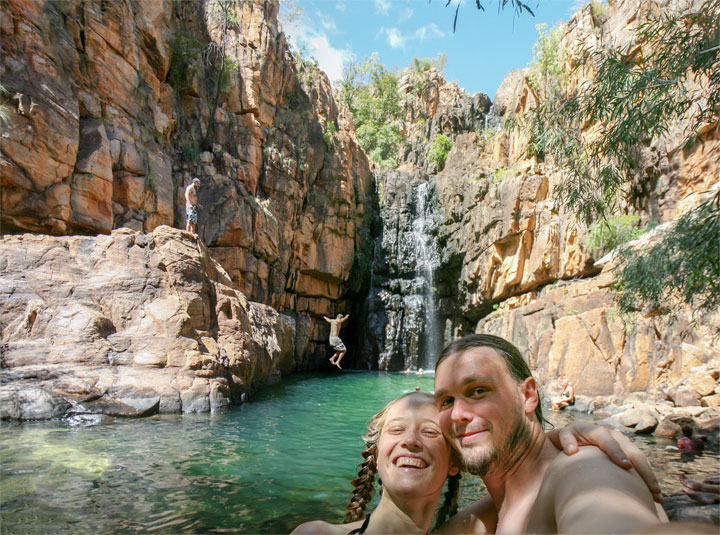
x=370, y=92
x=607, y=234
x=439, y=150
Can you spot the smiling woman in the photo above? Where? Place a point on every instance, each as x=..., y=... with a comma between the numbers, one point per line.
x=405, y=446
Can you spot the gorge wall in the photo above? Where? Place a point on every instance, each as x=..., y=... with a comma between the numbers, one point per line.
x=513, y=262
x=113, y=108
x=107, y=309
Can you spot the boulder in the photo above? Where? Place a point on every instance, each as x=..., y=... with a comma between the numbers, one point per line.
x=26, y=402
x=129, y=324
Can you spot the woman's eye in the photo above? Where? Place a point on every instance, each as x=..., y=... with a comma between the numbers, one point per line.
x=395, y=430
x=431, y=432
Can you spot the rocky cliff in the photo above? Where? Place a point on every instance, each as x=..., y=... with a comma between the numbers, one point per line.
x=512, y=262
x=115, y=106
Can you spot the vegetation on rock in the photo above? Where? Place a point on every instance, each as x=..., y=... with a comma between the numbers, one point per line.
x=669, y=74
x=370, y=92
x=439, y=150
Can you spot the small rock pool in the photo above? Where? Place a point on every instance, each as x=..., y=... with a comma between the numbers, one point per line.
x=285, y=458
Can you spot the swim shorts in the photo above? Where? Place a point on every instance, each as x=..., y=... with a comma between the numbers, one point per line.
x=191, y=210
x=337, y=344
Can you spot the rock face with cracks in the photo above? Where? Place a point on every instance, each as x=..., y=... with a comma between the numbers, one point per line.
x=114, y=107
x=129, y=324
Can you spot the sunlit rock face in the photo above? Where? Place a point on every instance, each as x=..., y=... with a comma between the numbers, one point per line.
x=115, y=106
x=513, y=262
x=132, y=323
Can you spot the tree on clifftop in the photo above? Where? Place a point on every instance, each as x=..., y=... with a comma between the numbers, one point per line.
x=667, y=76
x=370, y=92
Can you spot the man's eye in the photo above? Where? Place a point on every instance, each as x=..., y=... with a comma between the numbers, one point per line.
x=446, y=402
x=478, y=391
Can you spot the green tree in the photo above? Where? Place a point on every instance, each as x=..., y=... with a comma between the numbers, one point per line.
x=371, y=93
x=637, y=94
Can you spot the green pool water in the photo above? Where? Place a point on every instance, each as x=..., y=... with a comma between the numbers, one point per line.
x=285, y=458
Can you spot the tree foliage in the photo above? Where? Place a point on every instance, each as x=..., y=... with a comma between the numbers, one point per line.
x=667, y=75
x=371, y=93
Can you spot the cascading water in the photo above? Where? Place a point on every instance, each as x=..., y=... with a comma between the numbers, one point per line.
x=400, y=327
x=427, y=260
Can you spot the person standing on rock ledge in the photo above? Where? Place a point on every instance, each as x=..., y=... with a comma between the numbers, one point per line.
x=192, y=205
x=335, y=342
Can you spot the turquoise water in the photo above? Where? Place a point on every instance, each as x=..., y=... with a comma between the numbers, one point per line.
x=285, y=458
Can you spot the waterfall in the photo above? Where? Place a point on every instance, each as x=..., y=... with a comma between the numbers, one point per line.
x=427, y=260
x=399, y=320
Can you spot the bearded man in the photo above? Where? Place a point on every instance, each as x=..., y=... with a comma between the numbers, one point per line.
x=490, y=412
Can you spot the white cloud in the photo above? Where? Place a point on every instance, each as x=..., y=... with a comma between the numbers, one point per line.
x=341, y=6
x=383, y=6
x=326, y=22
x=406, y=14
x=317, y=45
x=395, y=38
x=426, y=32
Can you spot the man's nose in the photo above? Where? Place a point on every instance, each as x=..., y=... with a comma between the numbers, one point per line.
x=461, y=411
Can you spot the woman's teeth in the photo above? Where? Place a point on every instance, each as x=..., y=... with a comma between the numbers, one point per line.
x=413, y=462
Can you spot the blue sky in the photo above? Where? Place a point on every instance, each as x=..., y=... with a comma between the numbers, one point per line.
x=484, y=48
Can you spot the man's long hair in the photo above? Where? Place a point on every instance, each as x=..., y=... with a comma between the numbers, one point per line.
x=516, y=365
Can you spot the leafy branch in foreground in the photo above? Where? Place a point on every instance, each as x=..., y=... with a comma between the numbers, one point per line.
x=518, y=6
x=668, y=76
x=684, y=264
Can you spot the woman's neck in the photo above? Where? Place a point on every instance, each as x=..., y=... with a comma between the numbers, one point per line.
x=393, y=515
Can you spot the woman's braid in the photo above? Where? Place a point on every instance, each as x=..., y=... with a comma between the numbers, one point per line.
x=450, y=504
x=363, y=484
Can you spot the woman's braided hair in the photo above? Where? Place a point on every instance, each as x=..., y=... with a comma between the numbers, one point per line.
x=364, y=484
x=450, y=505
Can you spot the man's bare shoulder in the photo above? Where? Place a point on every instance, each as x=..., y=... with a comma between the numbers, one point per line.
x=588, y=491
x=480, y=517
x=322, y=528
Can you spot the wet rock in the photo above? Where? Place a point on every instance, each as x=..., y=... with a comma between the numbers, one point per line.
x=31, y=403
x=680, y=507
x=641, y=420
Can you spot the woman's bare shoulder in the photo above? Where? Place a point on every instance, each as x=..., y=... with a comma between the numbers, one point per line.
x=320, y=527
x=480, y=517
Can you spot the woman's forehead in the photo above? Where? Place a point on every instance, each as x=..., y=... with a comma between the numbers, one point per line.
x=414, y=403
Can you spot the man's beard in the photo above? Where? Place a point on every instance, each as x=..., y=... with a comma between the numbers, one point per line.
x=517, y=441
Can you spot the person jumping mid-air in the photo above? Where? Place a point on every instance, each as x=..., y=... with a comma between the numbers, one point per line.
x=335, y=342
